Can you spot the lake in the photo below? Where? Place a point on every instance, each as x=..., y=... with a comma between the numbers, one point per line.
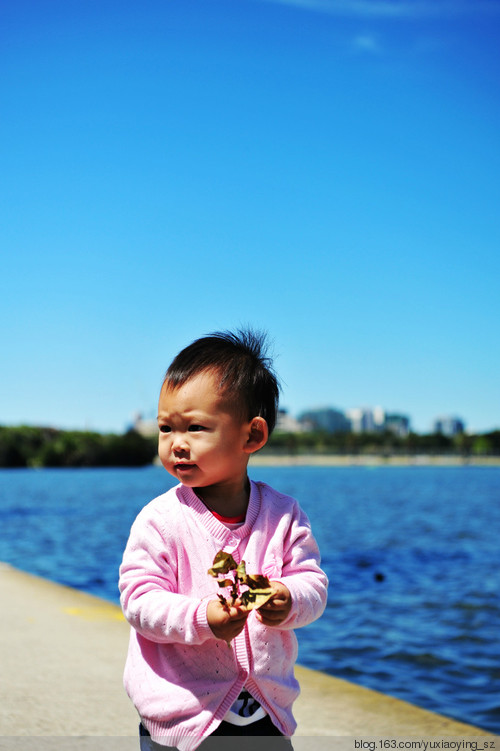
x=412, y=554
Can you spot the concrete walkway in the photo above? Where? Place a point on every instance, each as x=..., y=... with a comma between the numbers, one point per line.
x=61, y=661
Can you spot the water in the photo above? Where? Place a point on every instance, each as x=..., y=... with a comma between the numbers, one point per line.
x=412, y=555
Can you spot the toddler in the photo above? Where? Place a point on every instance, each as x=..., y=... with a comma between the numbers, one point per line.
x=198, y=667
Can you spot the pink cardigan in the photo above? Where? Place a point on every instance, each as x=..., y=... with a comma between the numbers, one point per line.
x=181, y=679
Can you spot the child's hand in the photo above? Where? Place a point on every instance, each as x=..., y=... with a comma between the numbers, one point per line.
x=275, y=610
x=226, y=623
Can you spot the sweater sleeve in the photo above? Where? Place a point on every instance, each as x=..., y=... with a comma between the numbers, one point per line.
x=302, y=574
x=149, y=593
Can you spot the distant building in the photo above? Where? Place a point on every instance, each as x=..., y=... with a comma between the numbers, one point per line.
x=285, y=423
x=366, y=419
x=449, y=426
x=376, y=420
x=399, y=425
x=325, y=418
x=145, y=427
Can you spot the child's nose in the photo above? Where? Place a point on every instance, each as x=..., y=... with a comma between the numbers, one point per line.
x=180, y=442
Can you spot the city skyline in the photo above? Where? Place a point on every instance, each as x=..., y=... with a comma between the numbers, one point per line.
x=376, y=416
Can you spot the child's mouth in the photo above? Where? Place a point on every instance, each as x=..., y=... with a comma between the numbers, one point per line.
x=184, y=467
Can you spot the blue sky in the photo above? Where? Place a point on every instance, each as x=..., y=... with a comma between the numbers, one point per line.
x=327, y=170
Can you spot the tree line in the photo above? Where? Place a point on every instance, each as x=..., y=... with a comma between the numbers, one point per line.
x=384, y=443
x=48, y=447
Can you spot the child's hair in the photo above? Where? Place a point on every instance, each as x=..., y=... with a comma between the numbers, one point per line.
x=240, y=361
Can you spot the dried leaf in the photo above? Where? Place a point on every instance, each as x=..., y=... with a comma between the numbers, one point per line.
x=259, y=587
x=223, y=563
x=225, y=582
x=257, y=581
x=241, y=571
x=223, y=601
x=253, y=599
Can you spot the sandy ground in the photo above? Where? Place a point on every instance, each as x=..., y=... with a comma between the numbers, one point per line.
x=368, y=460
x=61, y=661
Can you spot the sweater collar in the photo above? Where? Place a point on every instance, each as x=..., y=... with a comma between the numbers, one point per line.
x=217, y=528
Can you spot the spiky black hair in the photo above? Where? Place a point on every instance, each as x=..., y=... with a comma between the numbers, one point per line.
x=240, y=360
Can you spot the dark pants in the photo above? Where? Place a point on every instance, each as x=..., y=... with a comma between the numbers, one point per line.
x=258, y=736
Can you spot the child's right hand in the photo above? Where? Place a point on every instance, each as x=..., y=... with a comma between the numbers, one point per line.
x=226, y=623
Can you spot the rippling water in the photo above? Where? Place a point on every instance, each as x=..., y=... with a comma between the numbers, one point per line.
x=412, y=555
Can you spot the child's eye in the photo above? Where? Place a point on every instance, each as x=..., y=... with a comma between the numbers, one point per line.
x=165, y=428
x=196, y=428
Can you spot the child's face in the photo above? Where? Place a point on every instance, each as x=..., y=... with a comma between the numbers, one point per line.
x=201, y=441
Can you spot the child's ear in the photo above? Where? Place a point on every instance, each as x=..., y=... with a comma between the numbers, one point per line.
x=258, y=433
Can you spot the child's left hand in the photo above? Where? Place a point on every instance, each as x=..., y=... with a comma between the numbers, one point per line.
x=275, y=610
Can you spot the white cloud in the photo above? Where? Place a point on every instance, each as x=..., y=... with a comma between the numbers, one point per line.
x=396, y=8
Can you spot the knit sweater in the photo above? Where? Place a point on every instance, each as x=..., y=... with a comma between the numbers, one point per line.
x=181, y=679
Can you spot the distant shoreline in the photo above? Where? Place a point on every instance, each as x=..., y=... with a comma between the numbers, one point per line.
x=375, y=460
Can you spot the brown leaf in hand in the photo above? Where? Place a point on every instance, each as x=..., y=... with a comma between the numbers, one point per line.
x=259, y=587
x=225, y=582
x=253, y=599
x=257, y=581
x=223, y=563
x=224, y=602
x=241, y=571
